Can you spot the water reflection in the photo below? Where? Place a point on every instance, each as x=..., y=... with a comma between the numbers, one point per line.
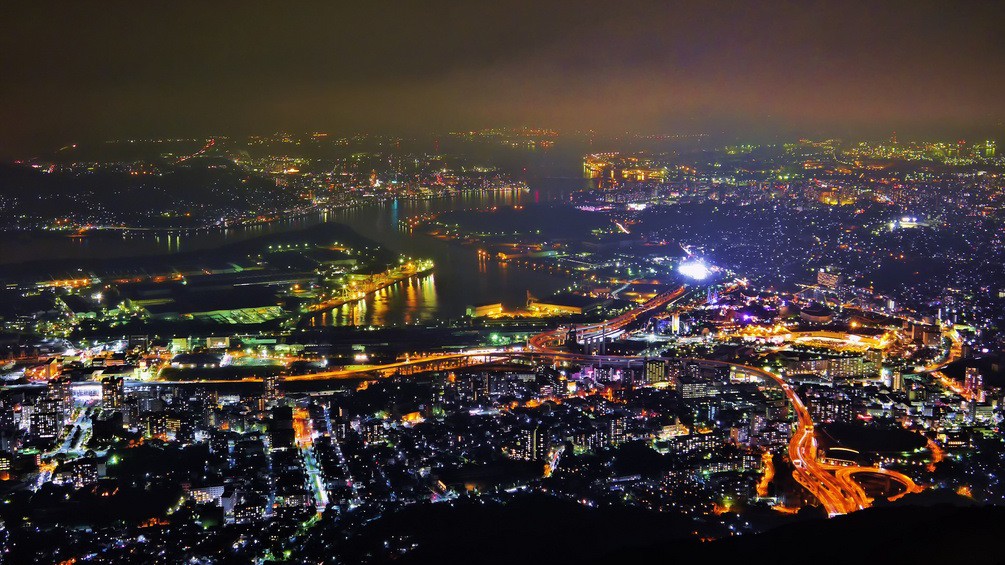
x=462, y=277
x=411, y=301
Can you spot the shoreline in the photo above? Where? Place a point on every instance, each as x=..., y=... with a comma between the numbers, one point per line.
x=287, y=215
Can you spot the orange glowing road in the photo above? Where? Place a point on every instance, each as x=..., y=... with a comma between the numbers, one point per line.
x=435, y=362
x=546, y=341
x=835, y=495
x=833, y=485
x=302, y=428
x=769, y=474
x=955, y=352
x=937, y=455
x=846, y=475
x=428, y=363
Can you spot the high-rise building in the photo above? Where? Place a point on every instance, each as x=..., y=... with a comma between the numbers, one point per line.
x=60, y=391
x=46, y=418
x=655, y=371
x=616, y=430
x=533, y=443
x=830, y=277
x=154, y=424
x=897, y=381
x=674, y=372
x=271, y=391
x=112, y=392
x=973, y=384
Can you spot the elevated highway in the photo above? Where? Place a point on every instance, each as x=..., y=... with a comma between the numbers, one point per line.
x=834, y=486
x=547, y=341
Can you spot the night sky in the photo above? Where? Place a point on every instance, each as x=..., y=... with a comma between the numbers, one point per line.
x=78, y=71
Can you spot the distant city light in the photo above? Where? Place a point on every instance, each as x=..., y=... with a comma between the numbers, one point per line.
x=696, y=270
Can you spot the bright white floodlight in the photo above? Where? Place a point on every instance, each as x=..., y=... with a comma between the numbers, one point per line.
x=694, y=270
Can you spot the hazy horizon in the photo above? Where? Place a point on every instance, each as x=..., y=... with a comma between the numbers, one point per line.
x=76, y=73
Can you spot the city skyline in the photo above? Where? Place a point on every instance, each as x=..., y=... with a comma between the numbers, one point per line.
x=456, y=282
